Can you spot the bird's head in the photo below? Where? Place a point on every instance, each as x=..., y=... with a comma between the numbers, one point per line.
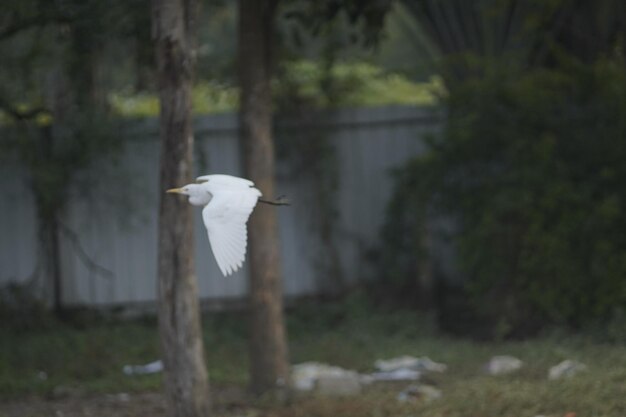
x=198, y=195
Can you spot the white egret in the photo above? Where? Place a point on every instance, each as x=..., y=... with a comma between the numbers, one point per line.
x=228, y=202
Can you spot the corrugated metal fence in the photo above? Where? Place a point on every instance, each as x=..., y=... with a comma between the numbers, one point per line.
x=333, y=166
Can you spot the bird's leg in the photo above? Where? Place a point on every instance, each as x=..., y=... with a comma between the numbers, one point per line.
x=280, y=201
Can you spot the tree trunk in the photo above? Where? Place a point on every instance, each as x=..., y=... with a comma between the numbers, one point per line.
x=49, y=213
x=425, y=272
x=55, y=264
x=269, y=370
x=185, y=377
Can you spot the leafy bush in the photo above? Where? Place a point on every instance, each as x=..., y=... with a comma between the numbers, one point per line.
x=206, y=97
x=350, y=84
x=531, y=168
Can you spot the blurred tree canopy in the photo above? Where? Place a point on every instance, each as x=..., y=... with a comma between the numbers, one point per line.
x=467, y=35
x=529, y=166
x=103, y=50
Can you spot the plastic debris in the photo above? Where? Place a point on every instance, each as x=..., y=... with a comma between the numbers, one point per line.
x=401, y=374
x=149, y=368
x=416, y=392
x=305, y=376
x=122, y=397
x=424, y=364
x=346, y=384
x=503, y=364
x=334, y=380
x=566, y=369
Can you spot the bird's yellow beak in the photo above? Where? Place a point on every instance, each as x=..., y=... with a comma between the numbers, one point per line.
x=175, y=191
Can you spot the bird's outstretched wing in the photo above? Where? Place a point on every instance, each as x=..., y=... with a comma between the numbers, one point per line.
x=225, y=218
x=225, y=180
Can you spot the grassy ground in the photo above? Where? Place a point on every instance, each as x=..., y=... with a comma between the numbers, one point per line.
x=86, y=361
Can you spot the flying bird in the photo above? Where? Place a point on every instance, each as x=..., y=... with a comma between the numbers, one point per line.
x=228, y=202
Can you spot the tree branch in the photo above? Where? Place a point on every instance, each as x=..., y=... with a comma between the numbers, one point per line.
x=82, y=254
x=38, y=20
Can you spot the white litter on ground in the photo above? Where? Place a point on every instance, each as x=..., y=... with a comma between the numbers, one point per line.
x=402, y=374
x=566, y=369
x=503, y=364
x=305, y=376
x=424, y=364
x=149, y=368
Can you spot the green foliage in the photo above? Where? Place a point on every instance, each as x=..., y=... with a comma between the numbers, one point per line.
x=308, y=83
x=402, y=235
x=304, y=83
x=207, y=97
x=91, y=358
x=531, y=166
x=364, y=18
x=21, y=311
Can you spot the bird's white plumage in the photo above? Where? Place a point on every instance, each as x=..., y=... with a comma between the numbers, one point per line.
x=228, y=202
x=225, y=180
x=225, y=218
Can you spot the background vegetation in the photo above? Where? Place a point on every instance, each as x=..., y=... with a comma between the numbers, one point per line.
x=528, y=175
x=525, y=183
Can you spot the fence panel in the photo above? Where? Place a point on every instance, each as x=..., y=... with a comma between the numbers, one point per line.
x=109, y=248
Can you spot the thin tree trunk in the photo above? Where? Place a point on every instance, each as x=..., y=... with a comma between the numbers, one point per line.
x=269, y=369
x=425, y=273
x=55, y=264
x=185, y=376
x=49, y=213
